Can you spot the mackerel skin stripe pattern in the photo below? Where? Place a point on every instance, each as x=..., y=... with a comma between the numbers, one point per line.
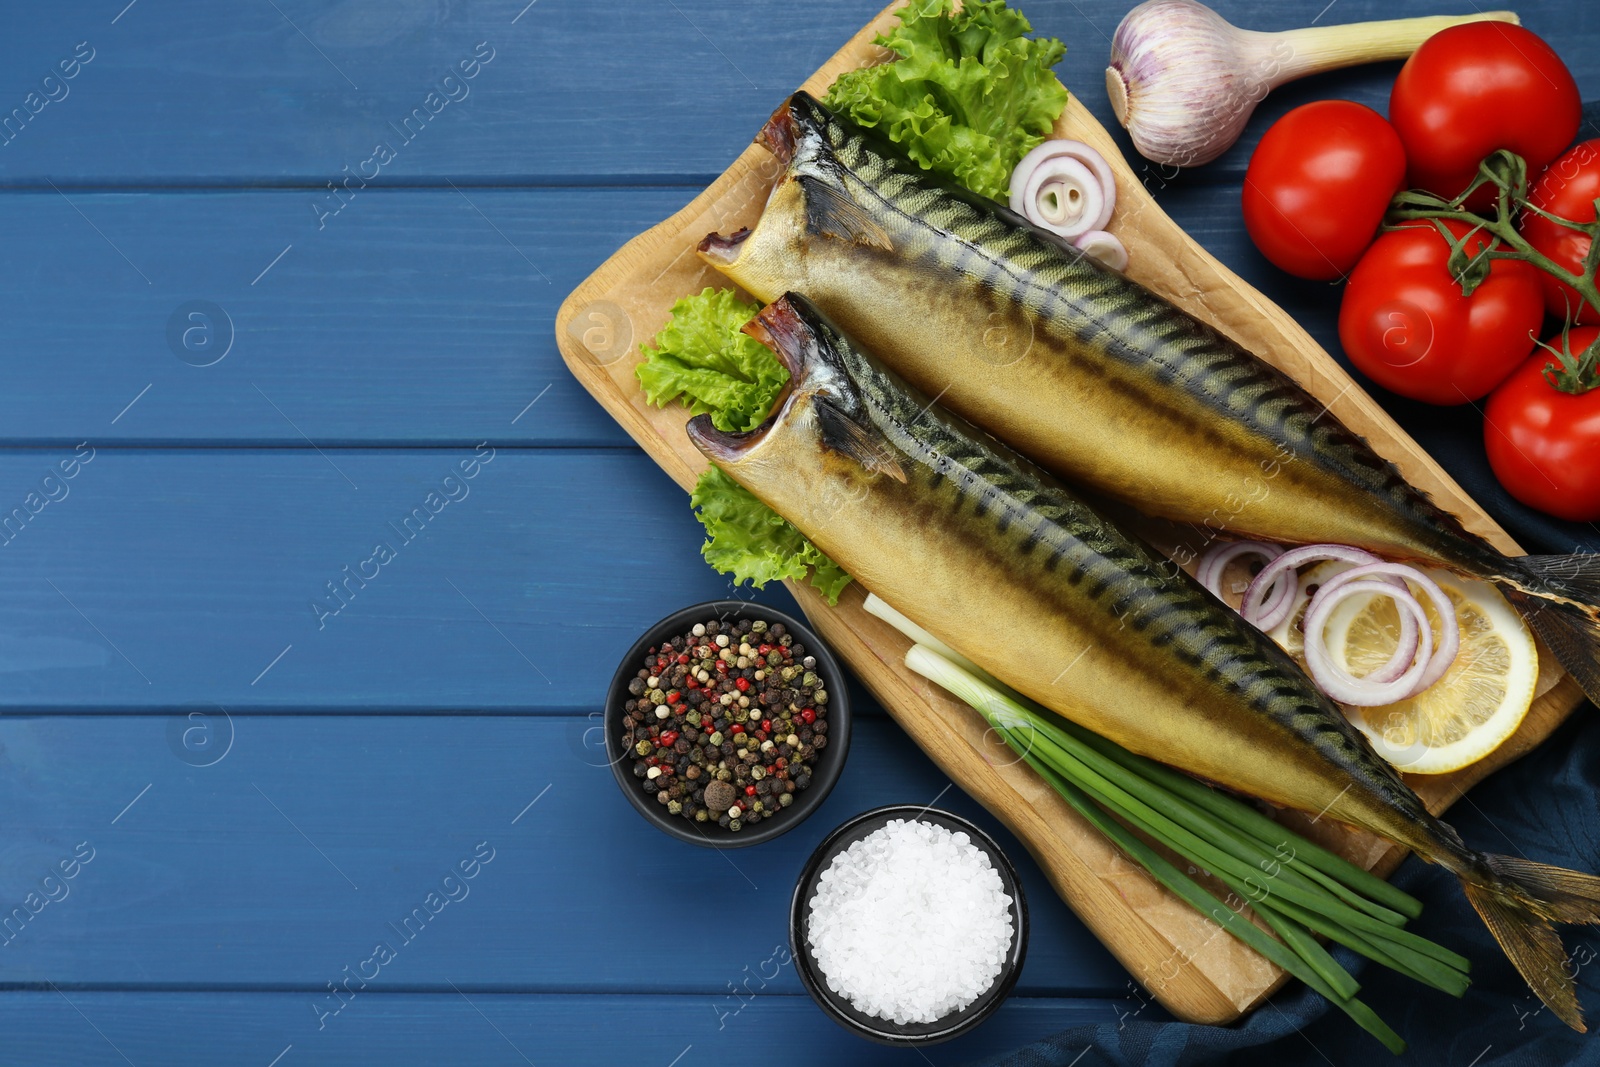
x=1078, y=366
x=1008, y=567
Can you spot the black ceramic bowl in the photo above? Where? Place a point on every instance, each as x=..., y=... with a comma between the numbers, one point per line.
x=869, y=1026
x=828, y=763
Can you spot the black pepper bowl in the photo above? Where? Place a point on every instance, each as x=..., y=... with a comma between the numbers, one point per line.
x=825, y=771
x=837, y=1007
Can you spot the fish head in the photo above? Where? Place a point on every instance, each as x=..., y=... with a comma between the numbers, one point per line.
x=811, y=198
x=820, y=433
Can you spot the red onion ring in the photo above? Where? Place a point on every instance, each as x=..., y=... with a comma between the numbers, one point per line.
x=1449, y=629
x=1268, y=611
x=1100, y=245
x=1339, y=683
x=1060, y=168
x=1405, y=649
x=1216, y=559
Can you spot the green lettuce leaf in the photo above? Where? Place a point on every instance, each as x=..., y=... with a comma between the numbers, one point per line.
x=701, y=357
x=970, y=94
x=753, y=543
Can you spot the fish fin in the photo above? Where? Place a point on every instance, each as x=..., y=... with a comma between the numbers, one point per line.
x=1559, y=596
x=832, y=211
x=845, y=435
x=1518, y=900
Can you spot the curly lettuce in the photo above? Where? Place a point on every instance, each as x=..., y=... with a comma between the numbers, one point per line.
x=970, y=94
x=755, y=544
x=701, y=358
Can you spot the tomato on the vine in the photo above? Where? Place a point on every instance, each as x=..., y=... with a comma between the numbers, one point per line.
x=1475, y=88
x=1406, y=325
x=1318, y=185
x=1568, y=188
x=1544, y=443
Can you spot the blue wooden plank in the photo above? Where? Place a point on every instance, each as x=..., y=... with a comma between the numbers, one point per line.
x=413, y=317
x=190, y=92
x=486, y=1030
x=288, y=848
x=168, y=577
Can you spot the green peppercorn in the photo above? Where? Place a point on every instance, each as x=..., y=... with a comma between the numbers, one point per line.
x=785, y=800
x=735, y=824
x=644, y=748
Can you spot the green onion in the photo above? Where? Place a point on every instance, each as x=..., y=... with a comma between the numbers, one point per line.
x=1190, y=891
x=1297, y=888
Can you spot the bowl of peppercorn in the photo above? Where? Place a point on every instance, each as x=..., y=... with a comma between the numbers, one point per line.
x=728, y=723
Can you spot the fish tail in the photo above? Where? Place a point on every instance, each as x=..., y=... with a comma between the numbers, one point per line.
x=1519, y=900
x=1558, y=596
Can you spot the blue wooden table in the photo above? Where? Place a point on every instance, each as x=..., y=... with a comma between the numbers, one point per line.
x=276, y=276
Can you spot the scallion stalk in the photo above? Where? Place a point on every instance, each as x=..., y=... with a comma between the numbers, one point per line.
x=1303, y=891
x=1191, y=892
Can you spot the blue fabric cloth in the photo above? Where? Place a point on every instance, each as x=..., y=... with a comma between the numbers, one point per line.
x=1543, y=807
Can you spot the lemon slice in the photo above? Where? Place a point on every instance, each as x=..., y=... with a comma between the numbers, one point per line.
x=1465, y=715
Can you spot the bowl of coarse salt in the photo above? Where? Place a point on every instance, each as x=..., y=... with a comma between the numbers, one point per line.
x=908, y=925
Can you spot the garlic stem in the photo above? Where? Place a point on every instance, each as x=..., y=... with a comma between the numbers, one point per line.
x=1314, y=49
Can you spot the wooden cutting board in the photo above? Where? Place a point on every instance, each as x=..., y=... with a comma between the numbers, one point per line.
x=1197, y=972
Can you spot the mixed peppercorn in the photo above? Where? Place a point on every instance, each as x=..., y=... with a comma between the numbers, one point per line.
x=726, y=722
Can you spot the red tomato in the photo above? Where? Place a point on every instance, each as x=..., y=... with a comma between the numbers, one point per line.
x=1543, y=444
x=1475, y=88
x=1318, y=185
x=1405, y=324
x=1568, y=187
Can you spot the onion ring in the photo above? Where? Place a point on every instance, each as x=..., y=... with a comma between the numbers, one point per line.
x=1339, y=683
x=1449, y=629
x=1216, y=559
x=1065, y=187
x=1103, y=246
x=1265, y=611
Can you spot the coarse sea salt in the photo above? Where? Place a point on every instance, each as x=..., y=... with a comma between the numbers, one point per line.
x=911, y=923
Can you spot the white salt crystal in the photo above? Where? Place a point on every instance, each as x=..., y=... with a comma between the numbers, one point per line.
x=911, y=923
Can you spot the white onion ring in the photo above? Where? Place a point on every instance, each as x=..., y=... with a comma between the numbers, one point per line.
x=1216, y=559
x=1267, y=612
x=1405, y=649
x=1057, y=168
x=1339, y=683
x=1100, y=245
x=1449, y=629
x=1064, y=197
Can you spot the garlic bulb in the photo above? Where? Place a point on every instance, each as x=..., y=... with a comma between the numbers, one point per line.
x=1184, y=81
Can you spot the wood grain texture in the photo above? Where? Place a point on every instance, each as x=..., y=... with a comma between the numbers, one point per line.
x=288, y=857
x=99, y=1029
x=173, y=579
x=1141, y=923
x=189, y=93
